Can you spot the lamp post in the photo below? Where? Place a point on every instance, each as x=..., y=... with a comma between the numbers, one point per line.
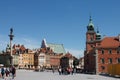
x=96, y=61
x=11, y=38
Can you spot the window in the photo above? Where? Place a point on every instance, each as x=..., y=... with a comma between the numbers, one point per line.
x=118, y=60
x=41, y=57
x=102, y=51
x=98, y=44
x=102, y=60
x=110, y=51
x=118, y=51
x=91, y=46
x=91, y=37
x=102, y=67
x=110, y=60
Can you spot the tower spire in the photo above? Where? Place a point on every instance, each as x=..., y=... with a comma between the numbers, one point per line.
x=90, y=26
x=97, y=30
x=98, y=35
x=90, y=20
x=44, y=44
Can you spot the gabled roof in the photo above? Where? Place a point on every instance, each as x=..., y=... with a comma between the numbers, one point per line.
x=19, y=47
x=110, y=42
x=57, y=48
x=68, y=55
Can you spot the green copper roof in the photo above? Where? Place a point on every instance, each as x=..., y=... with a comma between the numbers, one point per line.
x=57, y=48
x=98, y=33
x=90, y=26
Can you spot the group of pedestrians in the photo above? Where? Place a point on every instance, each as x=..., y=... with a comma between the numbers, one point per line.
x=65, y=70
x=8, y=72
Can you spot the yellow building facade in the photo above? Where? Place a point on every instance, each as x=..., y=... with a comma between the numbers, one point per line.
x=28, y=60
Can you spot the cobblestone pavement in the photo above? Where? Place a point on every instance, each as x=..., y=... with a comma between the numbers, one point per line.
x=31, y=75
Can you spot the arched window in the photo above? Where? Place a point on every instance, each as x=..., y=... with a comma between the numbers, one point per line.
x=110, y=60
x=118, y=60
x=102, y=60
x=102, y=51
x=110, y=51
x=118, y=50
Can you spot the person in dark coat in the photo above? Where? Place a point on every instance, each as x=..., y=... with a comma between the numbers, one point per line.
x=13, y=72
x=2, y=72
x=7, y=72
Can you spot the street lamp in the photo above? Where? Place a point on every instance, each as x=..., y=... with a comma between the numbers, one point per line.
x=11, y=38
x=96, y=61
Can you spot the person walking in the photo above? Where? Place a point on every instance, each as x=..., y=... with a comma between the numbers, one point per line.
x=2, y=72
x=13, y=72
x=71, y=70
x=53, y=70
x=7, y=72
x=60, y=71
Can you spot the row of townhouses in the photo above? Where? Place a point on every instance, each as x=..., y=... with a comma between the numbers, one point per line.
x=47, y=56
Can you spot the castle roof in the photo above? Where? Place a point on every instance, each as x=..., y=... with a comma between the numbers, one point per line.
x=110, y=42
x=57, y=48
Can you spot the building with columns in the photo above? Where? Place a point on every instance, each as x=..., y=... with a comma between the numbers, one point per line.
x=100, y=52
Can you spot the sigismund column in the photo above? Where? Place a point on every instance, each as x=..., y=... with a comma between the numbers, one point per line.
x=11, y=38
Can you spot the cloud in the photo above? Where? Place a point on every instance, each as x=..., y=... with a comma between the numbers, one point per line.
x=4, y=40
x=32, y=44
x=3, y=45
x=76, y=53
x=26, y=41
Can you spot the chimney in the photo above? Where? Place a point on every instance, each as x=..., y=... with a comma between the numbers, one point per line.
x=119, y=37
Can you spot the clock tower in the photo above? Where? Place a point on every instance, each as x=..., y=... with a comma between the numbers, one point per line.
x=90, y=36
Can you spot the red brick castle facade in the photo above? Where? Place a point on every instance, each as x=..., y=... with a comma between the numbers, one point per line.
x=100, y=52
